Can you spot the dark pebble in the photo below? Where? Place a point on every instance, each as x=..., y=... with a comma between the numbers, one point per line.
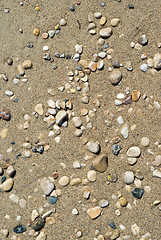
x=47, y=56
x=18, y=76
x=3, y=179
x=72, y=8
x=15, y=100
x=38, y=224
x=55, y=67
x=30, y=45
x=57, y=55
x=79, y=68
x=5, y=114
x=116, y=64
x=38, y=149
x=18, y=155
x=57, y=32
x=127, y=100
x=53, y=200
x=68, y=56
x=112, y=225
x=131, y=6
x=138, y=192
x=19, y=229
x=116, y=149
x=13, y=143
x=9, y=61
x=102, y=4
x=106, y=45
x=52, y=60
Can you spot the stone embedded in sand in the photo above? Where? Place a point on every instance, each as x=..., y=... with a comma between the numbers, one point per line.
x=20, y=70
x=39, y=109
x=106, y=32
x=135, y=229
x=124, y=131
x=61, y=116
x=84, y=63
x=100, y=65
x=46, y=185
x=157, y=61
x=123, y=201
x=64, y=181
x=91, y=26
x=157, y=161
x=93, y=147
x=145, y=141
x=7, y=185
x=115, y=76
x=115, y=22
x=128, y=177
x=77, y=121
x=41, y=236
x=103, y=20
x=94, y=212
x=4, y=133
x=91, y=175
x=97, y=15
x=133, y=152
x=62, y=22
x=136, y=95
x=92, y=66
x=100, y=163
x=27, y=64
x=36, y=32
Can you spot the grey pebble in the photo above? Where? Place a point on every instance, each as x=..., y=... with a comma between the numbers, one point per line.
x=144, y=67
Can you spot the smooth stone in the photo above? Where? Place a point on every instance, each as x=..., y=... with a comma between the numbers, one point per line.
x=94, y=212
x=117, y=102
x=22, y=203
x=97, y=15
x=106, y=32
x=103, y=203
x=14, y=198
x=10, y=171
x=115, y=76
x=27, y=64
x=20, y=70
x=78, y=133
x=93, y=147
x=124, y=131
x=62, y=22
x=7, y=185
x=143, y=40
x=76, y=165
x=64, y=181
x=103, y=20
x=102, y=54
x=150, y=62
x=75, y=181
x=90, y=17
x=15, y=81
x=36, y=31
x=19, y=229
x=145, y=141
x=100, y=163
x=157, y=61
x=156, y=173
x=41, y=236
x=138, y=193
x=38, y=224
x=4, y=133
x=128, y=66
x=75, y=211
x=138, y=47
x=53, y=200
x=77, y=121
x=39, y=109
x=92, y=66
x=157, y=161
x=91, y=26
x=131, y=161
x=112, y=225
x=76, y=57
x=135, y=229
x=91, y=175
x=51, y=33
x=61, y=116
x=123, y=201
x=46, y=185
x=136, y=95
x=133, y=152
x=100, y=65
x=115, y=234
x=120, y=120
x=9, y=93
x=78, y=48
x=92, y=31
x=100, y=41
x=128, y=177
x=144, y=67
x=115, y=22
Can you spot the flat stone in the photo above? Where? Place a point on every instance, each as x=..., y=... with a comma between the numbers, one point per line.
x=91, y=175
x=77, y=121
x=138, y=47
x=133, y=152
x=138, y=192
x=4, y=133
x=157, y=161
x=131, y=161
x=34, y=214
x=46, y=185
x=103, y=203
x=92, y=66
x=102, y=54
x=91, y=26
x=9, y=93
x=19, y=229
x=123, y=201
x=115, y=76
x=94, y=212
x=64, y=181
x=39, y=109
x=36, y=31
x=145, y=141
x=103, y=20
x=20, y=70
x=62, y=22
x=156, y=173
x=135, y=229
x=10, y=171
x=51, y=33
x=128, y=177
x=76, y=57
x=61, y=116
x=97, y=15
x=100, y=163
x=136, y=95
x=75, y=181
x=144, y=67
x=41, y=236
x=93, y=147
x=14, y=198
x=124, y=131
x=78, y=48
x=7, y=185
x=115, y=22
x=157, y=61
x=100, y=65
x=27, y=64
x=106, y=32
x=92, y=31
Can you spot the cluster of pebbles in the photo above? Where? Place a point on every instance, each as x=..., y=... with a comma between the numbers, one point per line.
x=59, y=113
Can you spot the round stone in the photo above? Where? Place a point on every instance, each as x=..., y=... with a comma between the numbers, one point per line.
x=133, y=152
x=4, y=133
x=7, y=185
x=129, y=177
x=39, y=109
x=93, y=147
x=103, y=20
x=92, y=66
x=123, y=201
x=143, y=40
x=75, y=181
x=131, y=161
x=103, y=203
x=64, y=181
x=106, y=32
x=91, y=175
x=27, y=64
x=115, y=76
x=144, y=67
x=46, y=185
x=136, y=95
x=77, y=121
x=145, y=141
x=91, y=26
x=75, y=211
x=63, y=22
x=115, y=22
x=36, y=32
x=97, y=15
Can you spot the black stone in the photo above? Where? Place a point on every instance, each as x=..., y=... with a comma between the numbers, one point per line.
x=138, y=192
x=72, y=8
x=116, y=149
x=3, y=179
x=38, y=224
x=38, y=149
x=68, y=56
x=131, y=6
x=47, y=56
x=79, y=68
x=112, y=225
x=19, y=229
x=30, y=45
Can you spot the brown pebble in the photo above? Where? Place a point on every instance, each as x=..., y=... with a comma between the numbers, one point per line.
x=5, y=114
x=135, y=95
x=45, y=35
x=123, y=201
x=36, y=32
x=55, y=175
x=9, y=61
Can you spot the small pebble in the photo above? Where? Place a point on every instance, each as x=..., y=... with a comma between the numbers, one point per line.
x=64, y=181
x=91, y=175
x=138, y=193
x=144, y=67
x=145, y=141
x=128, y=177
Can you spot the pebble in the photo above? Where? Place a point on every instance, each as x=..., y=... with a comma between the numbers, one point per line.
x=144, y=67
x=157, y=161
x=76, y=57
x=51, y=33
x=120, y=120
x=16, y=81
x=53, y=200
x=93, y=147
x=100, y=65
x=79, y=234
x=27, y=64
x=123, y=201
x=75, y=211
x=106, y=32
x=78, y=48
x=61, y=117
x=157, y=61
x=103, y=20
x=91, y=26
x=75, y=181
x=7, y=185
x=22, y=203
x=138, y=46
x=34, y=215
x=77, y=122
x=72, y=8
x=39, y=109
x=128, y=66
x=103, y=203
x=124, y=131
x=91, y=175
x=92, y=66
x=115, y=22
x=117, y=102
x=143, y=40
x=136, y=95
x=133, y=152
x=131, y=161
x=41, y=236
x=94, y=212
x=38, y=224
x=5, y=114
x=102, y=54
x=36, y=32
x=112, y=225
x=76, y=165
x=10, y=171
x=64, y=181
x=128, y=177
x=97, y=15
x=116, y=149
x=9, y=93
x=145, y=141
x=46, y=185
x=14, y=198
x=62, y=22
x=115, y=76
x=19, y=229
x=135, y=229
x=138, y=193
x=45, y=35
x=156, y=173
x=100, y=163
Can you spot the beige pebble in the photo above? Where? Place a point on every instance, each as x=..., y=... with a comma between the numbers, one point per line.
x=75, y=181
x=91, y=175
x=36, y=32
x=84, y=112
x=27, y=64
x=123, y=201
x=20, y=70
x=100, y=163
x=7, y=185
x=50, y=220
x=92, y=66
x=94, y=212
x=145, y=141
x=103, y=20
x=4, y=133
x=64, y=181
x=45, y=35
x=39, y=109
x=115, y=22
